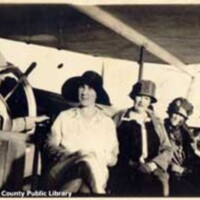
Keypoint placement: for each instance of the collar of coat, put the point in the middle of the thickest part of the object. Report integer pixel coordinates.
(158, 125)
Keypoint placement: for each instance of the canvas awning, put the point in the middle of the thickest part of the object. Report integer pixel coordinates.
(173, 28)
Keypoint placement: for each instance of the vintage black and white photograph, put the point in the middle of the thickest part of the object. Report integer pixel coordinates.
(99, 98)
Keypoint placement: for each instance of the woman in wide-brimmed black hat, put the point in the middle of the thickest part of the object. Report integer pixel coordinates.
(70, 88)
(85, 140)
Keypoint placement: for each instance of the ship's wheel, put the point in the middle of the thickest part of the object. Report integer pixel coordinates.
(17, 97)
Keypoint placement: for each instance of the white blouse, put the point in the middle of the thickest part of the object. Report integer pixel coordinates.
(98, 136)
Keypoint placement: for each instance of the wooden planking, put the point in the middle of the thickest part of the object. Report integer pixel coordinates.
(3, 150)
(14, 165)
(20, 137)
(12, 156)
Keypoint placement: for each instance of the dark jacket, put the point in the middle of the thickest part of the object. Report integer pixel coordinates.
(163, 155)
(182, 138)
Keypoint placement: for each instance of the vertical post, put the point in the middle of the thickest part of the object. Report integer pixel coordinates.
(60, 30)
(103, 70)
(190, 87)
(34, 183)
(141, 63)
(27, 25)
(2, 60)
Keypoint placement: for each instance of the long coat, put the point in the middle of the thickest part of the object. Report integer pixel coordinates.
(129, 136)
(185, 164)
(164, 154)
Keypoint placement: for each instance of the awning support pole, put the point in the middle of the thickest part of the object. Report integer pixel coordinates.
(131, 34)
(141, 63)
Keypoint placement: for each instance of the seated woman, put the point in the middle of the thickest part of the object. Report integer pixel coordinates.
(184, 167)
(145, 150)
(82, 143)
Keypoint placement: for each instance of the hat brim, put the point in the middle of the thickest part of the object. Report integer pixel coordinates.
(70, 91)
(133, 95)
(181, 111)
(102, 97)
